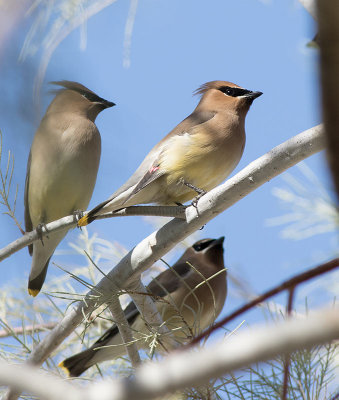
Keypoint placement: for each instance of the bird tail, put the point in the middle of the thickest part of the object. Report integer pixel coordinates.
(42, 252)
(77, 364)
(35, 284)
(91, 216)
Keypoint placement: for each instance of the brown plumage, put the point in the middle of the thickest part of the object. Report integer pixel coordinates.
(62, 168)
(199, 152)
(189, 296)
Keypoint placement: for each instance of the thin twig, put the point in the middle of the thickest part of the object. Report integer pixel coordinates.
(6, 181)
(287, 357)
(70, 222)
(217, 200)
(61, 34)
(160, 242)
(27, 329)
(296, 280)
(149, 311)
(184, 368)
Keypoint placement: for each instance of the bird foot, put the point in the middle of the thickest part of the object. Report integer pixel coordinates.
(38, 229)
(200, 192)
(197, 198)
(78, 214)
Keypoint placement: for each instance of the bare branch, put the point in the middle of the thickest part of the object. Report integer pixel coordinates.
(124, 328)
(160, 242)
(128, 32)
(287, 357)
(60, 35)
(70, 222)
(310, 6)
(27, 329)
(30, 379)
(291, 283)
(250, 178)
(5, 186)
(183, 369)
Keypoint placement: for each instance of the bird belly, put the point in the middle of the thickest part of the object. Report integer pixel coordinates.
(66, 185)
(203, 165)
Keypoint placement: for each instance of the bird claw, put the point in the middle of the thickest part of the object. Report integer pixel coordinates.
(78, 214)
(38, 229)
(197, 198)
(200, 192)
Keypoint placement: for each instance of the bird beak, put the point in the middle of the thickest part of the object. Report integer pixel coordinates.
(217, 242)
(107, 103)
(254, 95)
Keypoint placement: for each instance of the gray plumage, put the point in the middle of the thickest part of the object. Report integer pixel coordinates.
(61, 169)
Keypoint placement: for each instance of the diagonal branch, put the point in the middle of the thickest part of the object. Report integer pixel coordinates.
(276, 161)
(160, 242)
(70, 222)
(183, 369)
(290, 283)
(124, 329)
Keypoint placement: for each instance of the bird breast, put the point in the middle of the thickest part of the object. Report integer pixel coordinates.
(201, 160)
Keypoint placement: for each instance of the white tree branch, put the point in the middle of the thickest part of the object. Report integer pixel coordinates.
(70, 222)
(124, 330)
(149, 311)
(185, 368)
(30, 379)
(310, 6)
(312, 141)
(160, 242)
(27, 330)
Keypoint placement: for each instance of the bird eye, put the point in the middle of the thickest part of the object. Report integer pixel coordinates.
(202, 244)
(229, 91)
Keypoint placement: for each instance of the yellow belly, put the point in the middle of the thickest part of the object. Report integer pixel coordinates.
(204, 165)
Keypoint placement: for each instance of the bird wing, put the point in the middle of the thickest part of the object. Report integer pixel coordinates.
(28, 221)
(153, 161)
(166, 283)
(131, 313)
(169, 281)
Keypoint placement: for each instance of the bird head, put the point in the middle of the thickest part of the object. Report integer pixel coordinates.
(211, 250)
(77, 98)
(225, 96)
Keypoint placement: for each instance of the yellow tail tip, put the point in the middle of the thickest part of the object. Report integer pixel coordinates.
(83, 221)
(65, 369)
(33, 292)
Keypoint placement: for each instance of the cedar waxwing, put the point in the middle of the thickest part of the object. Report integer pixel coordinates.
(189, 296)
(197, 155)
(61, 169)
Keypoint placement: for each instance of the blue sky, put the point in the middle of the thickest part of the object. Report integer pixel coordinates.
(177, 46)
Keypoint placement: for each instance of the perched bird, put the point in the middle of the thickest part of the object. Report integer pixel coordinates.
(189, 296)
(197, 155)
(62, 168)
